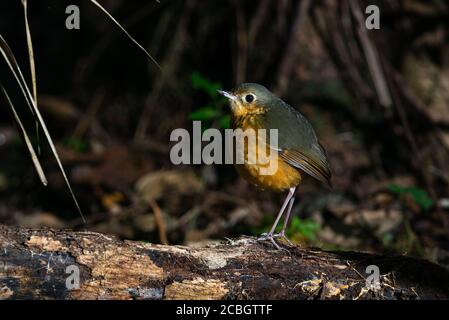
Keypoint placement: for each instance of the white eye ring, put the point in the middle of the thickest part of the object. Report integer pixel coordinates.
(250, 98)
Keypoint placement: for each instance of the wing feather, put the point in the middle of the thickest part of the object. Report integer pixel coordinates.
(315, 166)
(297, 142)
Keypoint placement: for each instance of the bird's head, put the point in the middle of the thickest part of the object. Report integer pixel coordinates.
(249, 98)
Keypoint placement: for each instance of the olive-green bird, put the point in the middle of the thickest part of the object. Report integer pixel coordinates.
(254, 107)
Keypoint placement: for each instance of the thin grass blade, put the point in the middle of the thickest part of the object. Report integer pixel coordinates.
(28, 143)
(11, 61)
(126, 32)
(32, 64)
(14, 66)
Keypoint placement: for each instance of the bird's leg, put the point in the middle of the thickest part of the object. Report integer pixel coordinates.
(287, 200)
(269, 235)
(284, 228)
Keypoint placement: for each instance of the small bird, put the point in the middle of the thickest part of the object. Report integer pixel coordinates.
(254, 107)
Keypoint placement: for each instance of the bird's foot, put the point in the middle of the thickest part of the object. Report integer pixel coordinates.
(270, 237)
(283, 236)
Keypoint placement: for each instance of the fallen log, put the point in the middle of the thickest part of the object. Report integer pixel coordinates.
(63, 264)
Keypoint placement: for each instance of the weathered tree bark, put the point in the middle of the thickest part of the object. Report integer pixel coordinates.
(33, 265)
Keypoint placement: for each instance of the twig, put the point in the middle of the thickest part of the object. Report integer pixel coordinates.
(159, 219)
(242, 44)
(257, 21)
(289, 58)
(324, 23)
(372, 58)
(169, 65)
(89, 117)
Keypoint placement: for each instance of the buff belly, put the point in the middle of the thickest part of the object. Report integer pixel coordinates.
(282, 179)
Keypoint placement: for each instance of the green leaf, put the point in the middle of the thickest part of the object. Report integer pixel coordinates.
(200, 82)
(305, 227)
(205, 114)
(419, 195)
(78, 145)
(421, 198)
(225, 122)
(394, 188)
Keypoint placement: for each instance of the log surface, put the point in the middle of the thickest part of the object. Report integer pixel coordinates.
(36, 264)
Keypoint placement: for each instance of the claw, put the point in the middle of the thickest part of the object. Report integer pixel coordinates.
(283, 236)
(263, 236)
(268, 236)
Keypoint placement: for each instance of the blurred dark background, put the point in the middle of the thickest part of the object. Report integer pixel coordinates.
(378, 99)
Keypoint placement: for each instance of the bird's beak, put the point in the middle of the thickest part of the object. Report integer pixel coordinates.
(228, 95)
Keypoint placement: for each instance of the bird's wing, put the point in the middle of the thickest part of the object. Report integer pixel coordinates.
(297, 142)
(314, 165)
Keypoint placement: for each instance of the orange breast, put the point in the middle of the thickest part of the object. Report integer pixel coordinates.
(283, 178)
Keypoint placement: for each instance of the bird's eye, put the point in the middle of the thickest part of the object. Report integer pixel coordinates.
(249, 98)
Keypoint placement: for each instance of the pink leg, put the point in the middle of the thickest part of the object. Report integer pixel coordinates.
(287, 217)
(287, 201)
